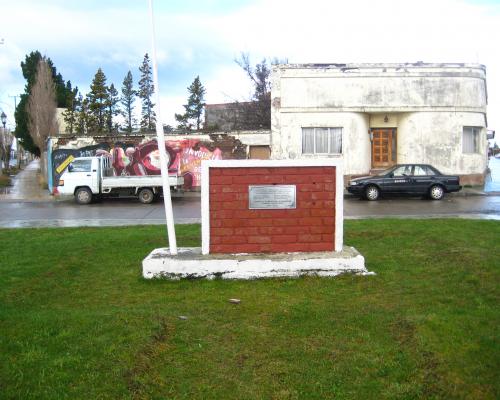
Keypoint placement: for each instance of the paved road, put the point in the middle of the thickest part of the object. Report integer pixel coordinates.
(42, 210)
(131, 212)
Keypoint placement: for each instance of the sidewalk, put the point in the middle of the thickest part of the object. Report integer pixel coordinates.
(26, 186)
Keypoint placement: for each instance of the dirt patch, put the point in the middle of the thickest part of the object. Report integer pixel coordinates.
(427, 372)
(143, 370)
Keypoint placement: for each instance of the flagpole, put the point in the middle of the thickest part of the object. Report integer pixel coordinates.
(161, 144)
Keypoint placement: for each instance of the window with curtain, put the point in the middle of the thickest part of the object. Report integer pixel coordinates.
(321, 140)
(470, 140)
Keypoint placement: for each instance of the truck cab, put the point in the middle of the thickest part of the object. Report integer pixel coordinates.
(81, 179)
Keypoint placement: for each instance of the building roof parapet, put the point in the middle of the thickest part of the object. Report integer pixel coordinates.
(377, 70)
(396, 66)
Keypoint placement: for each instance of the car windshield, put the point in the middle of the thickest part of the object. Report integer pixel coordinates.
(81, 166)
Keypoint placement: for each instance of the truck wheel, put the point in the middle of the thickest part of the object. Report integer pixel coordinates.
(146, 196)
(83, 195)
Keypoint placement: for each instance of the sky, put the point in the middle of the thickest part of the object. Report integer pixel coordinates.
(205, 37)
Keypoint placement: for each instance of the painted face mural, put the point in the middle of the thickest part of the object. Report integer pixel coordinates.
(190, 162)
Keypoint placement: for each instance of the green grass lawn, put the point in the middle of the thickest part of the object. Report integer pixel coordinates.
(77, 321)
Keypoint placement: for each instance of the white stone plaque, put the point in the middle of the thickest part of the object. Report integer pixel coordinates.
(271, 197)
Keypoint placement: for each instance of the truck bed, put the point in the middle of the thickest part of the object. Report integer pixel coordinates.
(113, 182)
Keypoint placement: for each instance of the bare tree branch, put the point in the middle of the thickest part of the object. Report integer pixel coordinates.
(244, 63)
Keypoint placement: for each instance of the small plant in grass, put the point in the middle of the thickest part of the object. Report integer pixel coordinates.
(4, 181)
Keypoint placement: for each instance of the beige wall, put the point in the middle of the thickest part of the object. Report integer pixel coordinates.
(383, 87)
(355, 140)
(436, 138)
(60, 121)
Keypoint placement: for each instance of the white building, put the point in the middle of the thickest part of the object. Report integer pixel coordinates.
(377, 115)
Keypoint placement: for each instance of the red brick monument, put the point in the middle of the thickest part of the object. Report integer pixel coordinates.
(265, 218)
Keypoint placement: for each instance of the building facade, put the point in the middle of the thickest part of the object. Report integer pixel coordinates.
(377, 115)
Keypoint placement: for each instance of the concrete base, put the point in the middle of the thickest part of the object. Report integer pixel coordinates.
(190, 263)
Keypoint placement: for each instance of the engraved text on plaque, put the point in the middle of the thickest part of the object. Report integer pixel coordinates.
(272, 197)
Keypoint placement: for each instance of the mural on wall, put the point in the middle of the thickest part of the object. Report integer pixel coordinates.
(184, 158)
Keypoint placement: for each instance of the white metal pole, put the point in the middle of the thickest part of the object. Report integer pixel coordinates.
(161, 144)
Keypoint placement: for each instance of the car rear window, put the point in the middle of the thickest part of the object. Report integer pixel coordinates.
(423, 170)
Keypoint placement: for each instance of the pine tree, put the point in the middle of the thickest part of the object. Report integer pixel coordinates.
(98, 101)
(183, 122)
(194, 108)
(70, 114)
(127, 100)
(83, 120)
(146, 90)
(112, 109)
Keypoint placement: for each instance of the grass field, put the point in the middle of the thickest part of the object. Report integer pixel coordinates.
(77, 321)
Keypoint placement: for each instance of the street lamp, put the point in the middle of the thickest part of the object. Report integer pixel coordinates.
(3, 117)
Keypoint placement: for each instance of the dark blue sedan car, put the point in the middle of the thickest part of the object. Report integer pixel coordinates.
(405, 179)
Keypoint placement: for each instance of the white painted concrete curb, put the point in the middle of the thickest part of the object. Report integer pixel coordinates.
(189, 263)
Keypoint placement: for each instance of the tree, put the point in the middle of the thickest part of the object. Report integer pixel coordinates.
(258, 111)
(29, 69)
(83, 120)
(183, 122)
(146, 90)
(98, 98)
(112, 108)
(42, 108)
(194, 108)
(127, 101)
(70, 115)
(6, 140)
(21, 131)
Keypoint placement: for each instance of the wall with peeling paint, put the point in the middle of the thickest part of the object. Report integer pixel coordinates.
(428, 104)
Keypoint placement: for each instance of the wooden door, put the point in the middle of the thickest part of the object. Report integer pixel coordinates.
(383, 147)
(259, 152)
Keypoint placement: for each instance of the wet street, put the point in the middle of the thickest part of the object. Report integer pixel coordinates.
(42, 210)
(112, 212)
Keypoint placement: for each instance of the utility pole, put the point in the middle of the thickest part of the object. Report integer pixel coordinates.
(18, 149)
(15, 101)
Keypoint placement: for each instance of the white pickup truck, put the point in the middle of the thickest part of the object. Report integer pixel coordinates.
(88, 178)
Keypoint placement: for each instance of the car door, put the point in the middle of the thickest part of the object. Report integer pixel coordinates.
(422, 179)
(398, 181)
(80, 174)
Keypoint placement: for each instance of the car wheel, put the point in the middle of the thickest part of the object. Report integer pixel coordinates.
(436, 192)
(146, 196)
(372, 193)
(83, 196)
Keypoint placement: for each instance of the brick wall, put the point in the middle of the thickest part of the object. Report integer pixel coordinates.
(234, 228)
